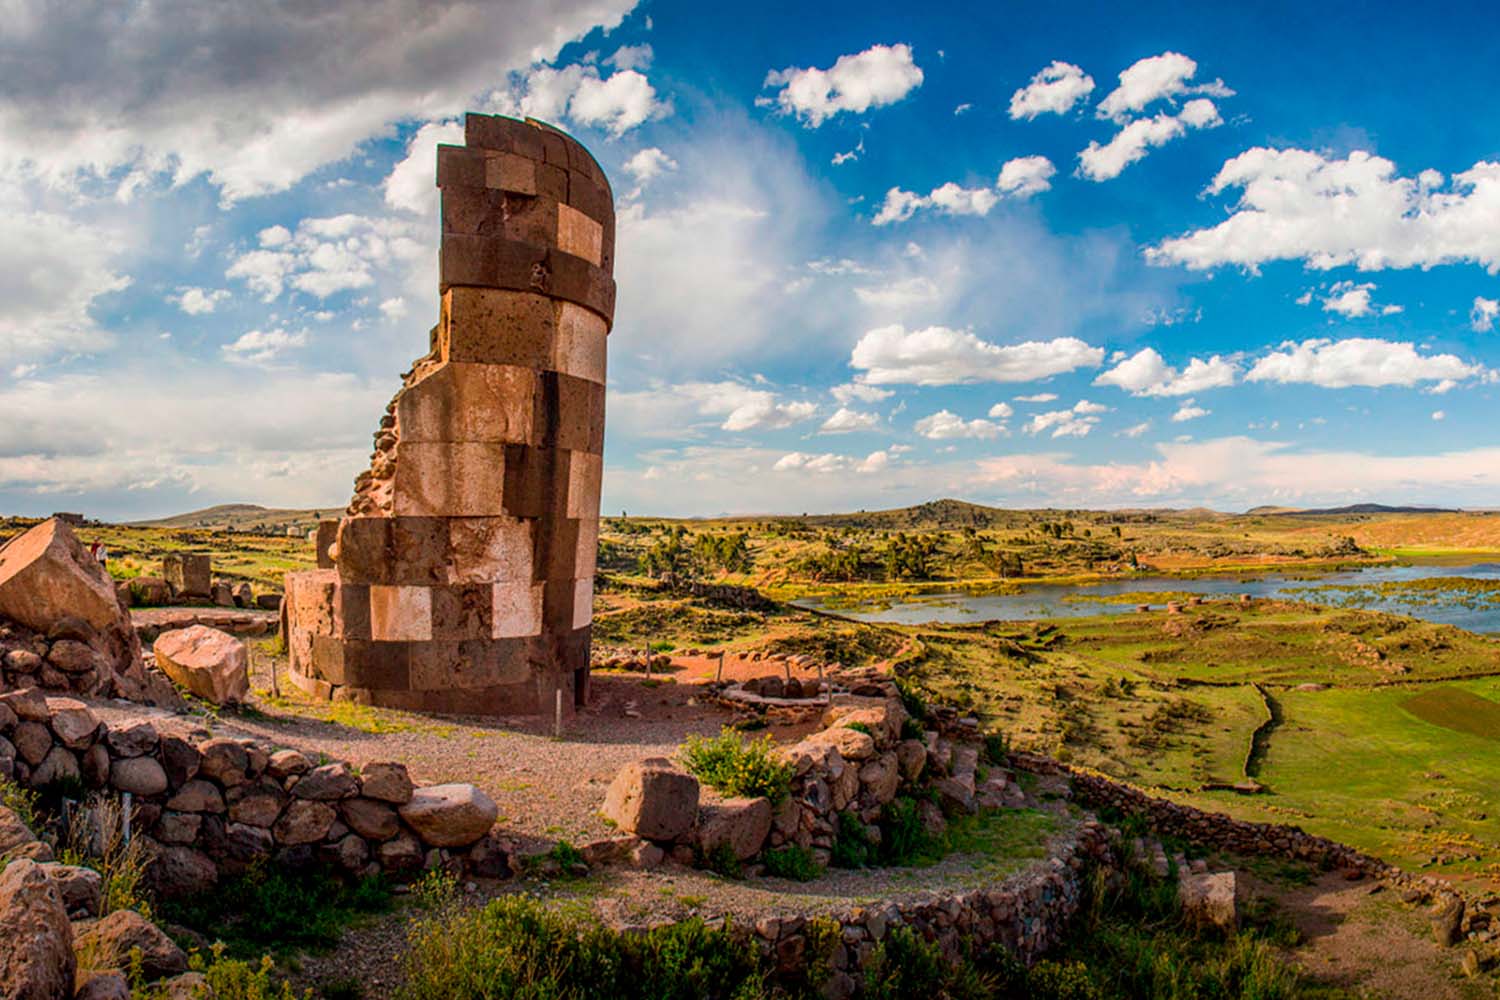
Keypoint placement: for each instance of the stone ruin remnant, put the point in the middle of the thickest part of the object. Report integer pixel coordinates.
(460, 579)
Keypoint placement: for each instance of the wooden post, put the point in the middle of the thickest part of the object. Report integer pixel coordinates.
(125, 813)
(719, 673)
(649, 656)
(557, 717)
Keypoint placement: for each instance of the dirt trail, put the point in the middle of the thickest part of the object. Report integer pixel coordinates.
(1367, 940)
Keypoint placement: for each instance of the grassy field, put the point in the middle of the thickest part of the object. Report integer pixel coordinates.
(1375, 729)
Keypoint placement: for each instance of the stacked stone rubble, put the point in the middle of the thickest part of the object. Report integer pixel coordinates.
(211, 805)
(461, 578)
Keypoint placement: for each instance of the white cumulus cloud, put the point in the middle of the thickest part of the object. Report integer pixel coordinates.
(259, 347)
(938, 355)
(198, 301)
(1019, 178)
(1482, 317)
(845, 420)
(1135, 139)
(945, 424)
(880, 75)
(1146, 373)
(1358, 361)
(1301, 205)
(1153, 79)
(1054, 90)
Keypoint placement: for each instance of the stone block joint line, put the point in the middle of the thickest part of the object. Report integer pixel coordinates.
(460, 579)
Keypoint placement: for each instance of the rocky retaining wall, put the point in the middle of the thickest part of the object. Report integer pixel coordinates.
(1027, 914)
(1220, 832)
(210, 806)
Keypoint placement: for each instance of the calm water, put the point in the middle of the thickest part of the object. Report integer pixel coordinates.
(1046, 600)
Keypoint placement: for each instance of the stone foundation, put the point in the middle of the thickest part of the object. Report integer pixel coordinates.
(461, 578)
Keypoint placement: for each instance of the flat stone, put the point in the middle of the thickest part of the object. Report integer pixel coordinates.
(213, 665)
(113, 938)
(386, 781)
(327, 783)
(453, 815)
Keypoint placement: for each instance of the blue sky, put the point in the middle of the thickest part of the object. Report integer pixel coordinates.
(1069, 255)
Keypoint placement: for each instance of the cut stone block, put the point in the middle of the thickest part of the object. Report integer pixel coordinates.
(586, 554)
(581, 340)
(464, 401)
(585, 479)
(400, 613)
(510, 172)
(579, 235)
(517, 608)
(583, 602)
(458, 479)
(497, 327)
(490, 549)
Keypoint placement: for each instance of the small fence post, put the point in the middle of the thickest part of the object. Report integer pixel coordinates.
(719, 673)
(126, 800)
(557, 716)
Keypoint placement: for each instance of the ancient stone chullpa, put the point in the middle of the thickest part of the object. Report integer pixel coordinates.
(461, 577)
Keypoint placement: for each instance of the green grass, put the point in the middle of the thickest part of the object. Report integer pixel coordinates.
(1456, 709)
(276, 910)
(1359, 766)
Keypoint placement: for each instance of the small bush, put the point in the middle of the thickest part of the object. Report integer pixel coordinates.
(721, 860)
(902, 835)
(228, 979)
(851, 843)
(96, 839)
(997, 748)
(793, 862)
(904, 965)
(734, 767)
(22, 801)
(911, 729)
(861, 727)
(912, 700)
(271, 908)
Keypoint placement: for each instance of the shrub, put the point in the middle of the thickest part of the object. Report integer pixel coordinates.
(997, 748)
(904, 965)
(734, 767)
(793, 862)
(21, 801)
(902, 835)
(516, 947)
(272, 908)
(228, 979)
(912, 700)
(861, 727)
(851, 843)
(721, 860)
(96, 839)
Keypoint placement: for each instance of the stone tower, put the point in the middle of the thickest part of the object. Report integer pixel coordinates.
(461, 577)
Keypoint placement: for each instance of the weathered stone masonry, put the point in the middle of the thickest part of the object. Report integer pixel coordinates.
(461, 577)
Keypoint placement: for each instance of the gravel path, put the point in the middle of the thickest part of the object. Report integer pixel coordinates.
(546, 788)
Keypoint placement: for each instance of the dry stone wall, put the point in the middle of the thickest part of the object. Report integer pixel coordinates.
(461, 578)
(210, 805)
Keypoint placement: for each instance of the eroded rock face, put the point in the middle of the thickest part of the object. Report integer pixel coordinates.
(653, 799)
(211, 664)
(36, 960)
(453, 815)
(47, 577)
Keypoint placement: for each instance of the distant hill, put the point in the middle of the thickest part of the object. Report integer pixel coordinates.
(949, 513)
(245, 517)
(1354, 508)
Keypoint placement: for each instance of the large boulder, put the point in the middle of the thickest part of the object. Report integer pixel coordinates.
(1210, 900)
(47, 576)
(211, 664)
(37, 962)
(454, 815)
(112, 939)
(652, 799)
(741, 825)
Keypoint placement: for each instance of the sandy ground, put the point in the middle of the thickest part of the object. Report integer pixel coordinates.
(1362, 937)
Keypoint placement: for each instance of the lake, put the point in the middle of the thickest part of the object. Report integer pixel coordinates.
(1395, 589)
